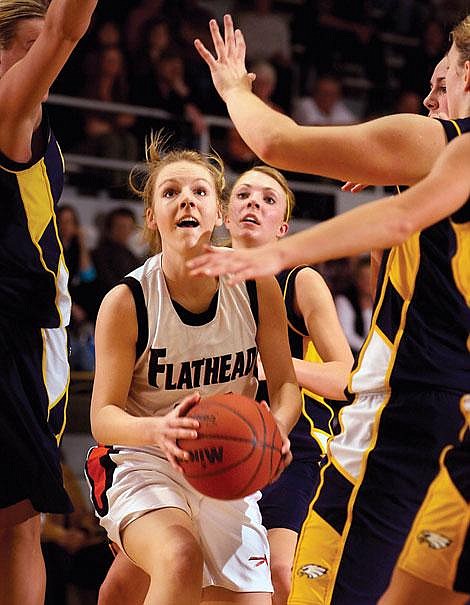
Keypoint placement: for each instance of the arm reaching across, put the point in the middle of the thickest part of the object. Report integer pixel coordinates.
(385, 151)
(380, 224)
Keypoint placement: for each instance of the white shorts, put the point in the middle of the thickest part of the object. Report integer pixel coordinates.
(127, 483)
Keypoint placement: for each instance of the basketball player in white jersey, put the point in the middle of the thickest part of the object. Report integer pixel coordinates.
(162, 341)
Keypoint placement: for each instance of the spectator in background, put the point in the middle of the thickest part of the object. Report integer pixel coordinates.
(154, 42)
(109, 79)
(107, 34)
(166, 88)
(408, 101)
(82, 287)
(113, 257)
(420, 62)
(346, 40)
(103, 136)
(109, 135)
(138, 18)
(403, 17)
(354, 306)
(193, 24)
(268, 38)
(74, 547)
(325, 105)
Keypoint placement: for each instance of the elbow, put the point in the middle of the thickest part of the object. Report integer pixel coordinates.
(403, 228)
(272, 148)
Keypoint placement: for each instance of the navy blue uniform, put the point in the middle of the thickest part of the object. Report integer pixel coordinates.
(285, 502)
(34, 313)
(407, 387)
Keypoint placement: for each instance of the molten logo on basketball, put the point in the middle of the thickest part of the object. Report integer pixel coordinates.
(206, 455)
(205, 418)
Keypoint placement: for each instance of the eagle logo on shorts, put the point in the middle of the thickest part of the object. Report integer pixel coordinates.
(312, 571)
(434, 540)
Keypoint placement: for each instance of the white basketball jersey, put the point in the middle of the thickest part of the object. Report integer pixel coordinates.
(176, 357)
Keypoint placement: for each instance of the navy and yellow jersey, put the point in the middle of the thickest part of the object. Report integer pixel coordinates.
(309, 436)
(33, 286)
(421, 323)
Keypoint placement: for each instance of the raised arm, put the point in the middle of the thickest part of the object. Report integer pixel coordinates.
(41, 54)
(385, 151)
(380, 224)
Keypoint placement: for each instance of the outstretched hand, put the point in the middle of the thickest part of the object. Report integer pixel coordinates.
(353, 187)
(228, 68)
(238, 265)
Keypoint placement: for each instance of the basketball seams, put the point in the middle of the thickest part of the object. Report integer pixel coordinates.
(240, 472)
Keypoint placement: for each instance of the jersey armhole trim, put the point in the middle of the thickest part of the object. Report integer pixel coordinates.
(141, 310)
(253, 296)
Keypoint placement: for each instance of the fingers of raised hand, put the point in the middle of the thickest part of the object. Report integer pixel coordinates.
(229, 35)
(205, 54)
(217, 39)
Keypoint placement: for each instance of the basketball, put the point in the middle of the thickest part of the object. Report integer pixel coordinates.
(238, 449)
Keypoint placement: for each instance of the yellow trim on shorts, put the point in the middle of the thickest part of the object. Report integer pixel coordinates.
(437, 537)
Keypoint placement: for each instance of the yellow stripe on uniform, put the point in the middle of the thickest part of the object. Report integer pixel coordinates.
(405, 266)
(435, 542)
(38, 215)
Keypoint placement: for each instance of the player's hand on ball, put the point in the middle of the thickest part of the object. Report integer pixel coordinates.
(227, 68)
(175, 425)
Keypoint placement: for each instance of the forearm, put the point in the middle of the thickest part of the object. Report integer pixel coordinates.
(286, 405)
(375, 225)
(245, 110)
(70, 18)
(327, 379)
(111, 425)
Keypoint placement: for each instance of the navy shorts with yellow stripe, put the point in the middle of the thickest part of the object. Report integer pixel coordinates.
(379, 471)
(438, 547)
(285, 502)
(33, 393)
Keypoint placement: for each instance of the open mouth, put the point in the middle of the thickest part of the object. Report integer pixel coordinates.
(251, 219)
(188, 222)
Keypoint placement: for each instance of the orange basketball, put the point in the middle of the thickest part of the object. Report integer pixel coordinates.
(238, 449)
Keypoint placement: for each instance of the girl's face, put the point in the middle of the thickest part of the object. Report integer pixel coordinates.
(256, 210)
(436, 101)
(458, 84)
(185, 207)
(67, 224)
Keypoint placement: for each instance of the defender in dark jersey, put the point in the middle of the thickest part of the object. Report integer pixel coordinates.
(34, 303)
(375, 489)
(258, 212)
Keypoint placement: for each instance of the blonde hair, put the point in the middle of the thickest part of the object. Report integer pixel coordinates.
(13, 11)
(142, 180)
(280, 179)
(460, 36)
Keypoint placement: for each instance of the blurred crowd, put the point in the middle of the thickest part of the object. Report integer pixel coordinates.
(321, 61)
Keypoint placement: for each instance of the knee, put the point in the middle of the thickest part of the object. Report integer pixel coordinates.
(281, 574)
(26, 534)
(112, 592)
(184, 559)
